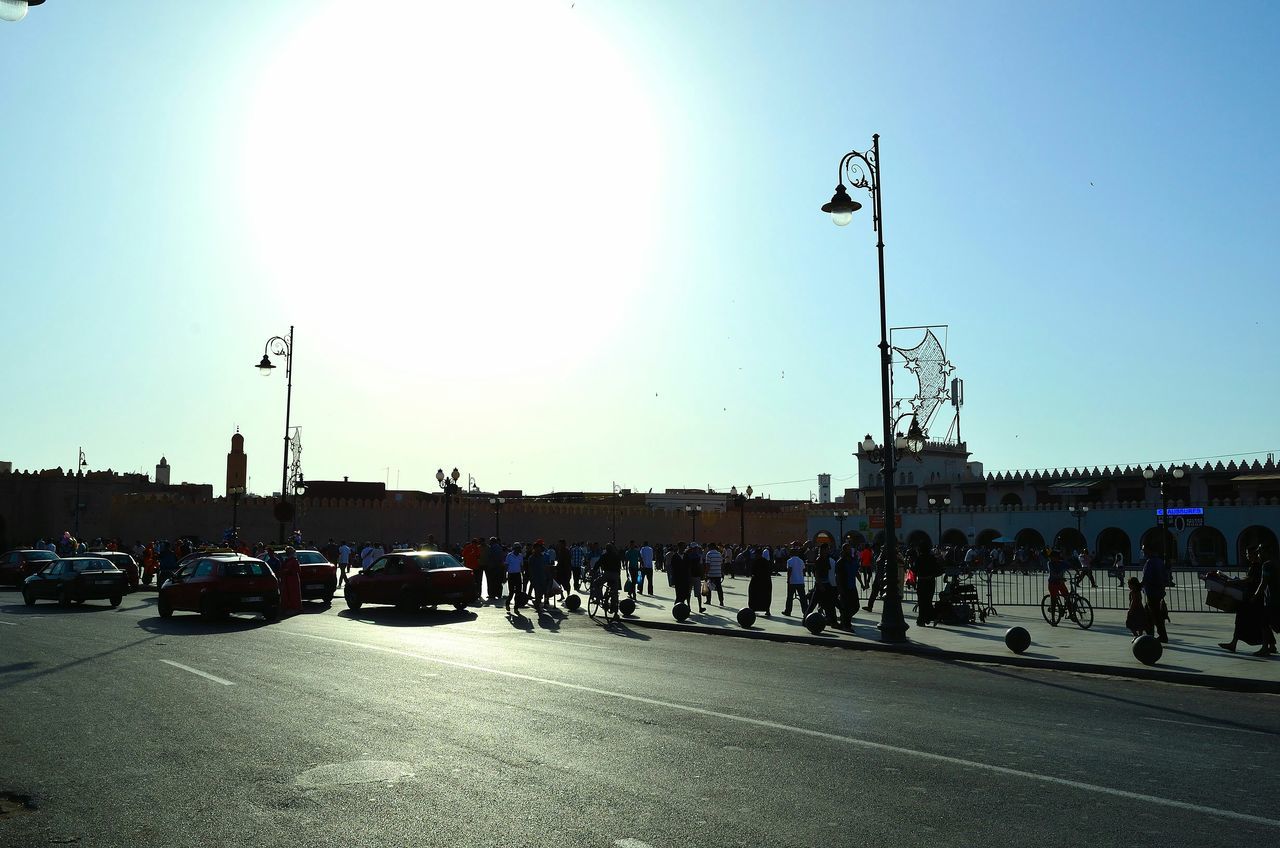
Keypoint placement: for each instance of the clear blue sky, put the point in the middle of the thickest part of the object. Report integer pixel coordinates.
(558, 247)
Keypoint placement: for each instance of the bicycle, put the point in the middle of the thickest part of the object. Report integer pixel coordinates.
(601, 593)
(1073, 605)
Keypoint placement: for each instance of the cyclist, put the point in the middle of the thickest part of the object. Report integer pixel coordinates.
(1058, 583)
(610, 566)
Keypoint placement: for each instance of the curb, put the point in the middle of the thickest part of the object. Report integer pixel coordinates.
(1212, 681)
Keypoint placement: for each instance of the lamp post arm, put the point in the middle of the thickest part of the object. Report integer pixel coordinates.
(862, 168)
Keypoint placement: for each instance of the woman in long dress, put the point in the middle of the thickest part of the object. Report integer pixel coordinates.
(760, 589)
(290, 583)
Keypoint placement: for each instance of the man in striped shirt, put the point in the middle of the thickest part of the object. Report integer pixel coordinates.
(713, 568)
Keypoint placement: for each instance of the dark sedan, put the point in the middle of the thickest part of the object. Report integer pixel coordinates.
(411, 580)
(123, 561)
(16, 566)
(77, 579)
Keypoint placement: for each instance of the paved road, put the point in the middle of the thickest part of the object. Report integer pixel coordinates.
(385, 728)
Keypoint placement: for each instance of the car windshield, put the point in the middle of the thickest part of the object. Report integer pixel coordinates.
(310, 558)
(245, 568)
(78, 565)
(436, 561)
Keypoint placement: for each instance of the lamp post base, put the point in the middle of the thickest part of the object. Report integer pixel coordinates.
(893, 625)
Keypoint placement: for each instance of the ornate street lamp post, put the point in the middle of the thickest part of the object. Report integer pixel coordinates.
(1079, 512)
(939, 505)
(1160, 478)
(840, 517)
(497, 515)
(281, 346)
(693, 510)
(863, 171)
(741, 501)
(16, 10)
(81, 464)
(449, 485)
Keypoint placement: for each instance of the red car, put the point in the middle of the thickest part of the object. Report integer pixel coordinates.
(16, 566)
(319, 576)
(216, 585)
(411, 580)
(123, 561)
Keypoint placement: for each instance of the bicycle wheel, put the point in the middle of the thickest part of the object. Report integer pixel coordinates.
(1046, 609)
(593, 601)
(1084, 613)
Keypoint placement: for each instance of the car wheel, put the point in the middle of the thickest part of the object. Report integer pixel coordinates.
(64, 600)
(271, 614)
(27, 599)
(328, 599)
(210, 611)
(163, 608)
(115, 600)
(460, 607)
(353, 600)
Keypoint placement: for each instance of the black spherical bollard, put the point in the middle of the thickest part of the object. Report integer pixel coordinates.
(1147, 649)
(1017, 639)
(746, 617)
(815, 622)
(573, 603)
(627, 606)
(680, 611)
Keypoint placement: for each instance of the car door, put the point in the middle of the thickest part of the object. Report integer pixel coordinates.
(180, 592)
(50, 583)
(373, 585)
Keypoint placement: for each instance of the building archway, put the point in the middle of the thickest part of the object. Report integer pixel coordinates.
(916, 538)
(1252, 536)
(954, 538)
(1154, 541)
(986, 537)
(1011, 499)
(1069, 540)
(1207, 547)
(1029, 538)
(1112, 541)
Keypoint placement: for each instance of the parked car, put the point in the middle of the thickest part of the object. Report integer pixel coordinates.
(123, 561)
(319, 576)
(413, 579)
(16, 566)
(216, 585)
(77, 579)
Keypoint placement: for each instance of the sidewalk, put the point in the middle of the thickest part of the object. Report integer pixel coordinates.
(1192, 655)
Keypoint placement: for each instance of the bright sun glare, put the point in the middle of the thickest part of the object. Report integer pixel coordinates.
(485, 168)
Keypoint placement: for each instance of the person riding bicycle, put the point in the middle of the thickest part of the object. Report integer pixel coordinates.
(1058, 581)
(610, 568)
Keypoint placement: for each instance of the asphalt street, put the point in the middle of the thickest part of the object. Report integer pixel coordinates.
(384, 728)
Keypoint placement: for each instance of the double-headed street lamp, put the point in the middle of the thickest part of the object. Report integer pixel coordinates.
(741, 501)
(693, 510)
(16, 10)
(939, 505)
(1079, 512)
(497, 515)
(863, 171)
(449, 485)
(840, 517)
(281, 346)
(1160, 478)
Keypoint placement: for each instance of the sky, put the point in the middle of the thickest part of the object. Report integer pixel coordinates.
(559, 245)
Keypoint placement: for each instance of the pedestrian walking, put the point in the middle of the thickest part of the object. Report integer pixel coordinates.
(1154, 580)
(847, 567)
(344, 562)
(290, 582)
(927, 570)
(1085, 559)
(693, 559)
(495, 569)
(760, 588)
(713, 567)
(1251, 625)
(646, 568)
(514, 563)
(795, 582)
(680, 574)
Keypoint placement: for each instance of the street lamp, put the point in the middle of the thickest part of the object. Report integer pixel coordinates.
(939, 505)
(1162, 477)
(472, 488)
(81, 464)
(449, 485)
(16, 10)
(497, 515)
(615, 493)
(863, 171)
(693, 510)
(1080, 512)
(741, 501)
(840, 517)
(281, 346)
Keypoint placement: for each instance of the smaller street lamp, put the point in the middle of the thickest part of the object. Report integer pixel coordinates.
(693, 510)
(1160, 478)
(939, 505)
(741, 501)
(449, 485)
(840, 517)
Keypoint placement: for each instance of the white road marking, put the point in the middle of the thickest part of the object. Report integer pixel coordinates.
(818, 734)
(632, 843)
(10, 623)
(203, 674)
(1209, 726)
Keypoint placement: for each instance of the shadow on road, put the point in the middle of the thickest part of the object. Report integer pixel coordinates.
(191, 624)
(53, 608)
(15, 667)
(394, 617)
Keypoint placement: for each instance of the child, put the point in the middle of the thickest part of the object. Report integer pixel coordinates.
(1136, 619)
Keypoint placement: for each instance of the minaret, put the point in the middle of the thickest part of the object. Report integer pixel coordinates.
(162, 472)
(237, 466)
